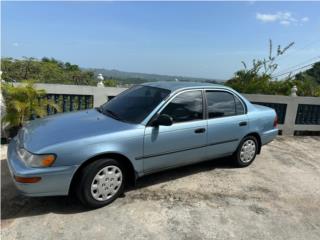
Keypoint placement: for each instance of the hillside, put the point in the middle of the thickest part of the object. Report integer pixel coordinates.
(50, 70)
(134, 76)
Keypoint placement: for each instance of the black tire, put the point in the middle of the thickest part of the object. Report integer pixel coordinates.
(83, 189)
(239, 160)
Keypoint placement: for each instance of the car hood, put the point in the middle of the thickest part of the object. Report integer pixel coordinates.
(41, 133)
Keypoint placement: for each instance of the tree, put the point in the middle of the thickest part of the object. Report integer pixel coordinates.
(46, 70)
(110, 83)
(313, 72)
(258, 78)
(308, 82)
(24, 102)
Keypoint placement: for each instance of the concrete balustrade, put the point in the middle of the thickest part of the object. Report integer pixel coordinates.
(292, 103)
(101, 94)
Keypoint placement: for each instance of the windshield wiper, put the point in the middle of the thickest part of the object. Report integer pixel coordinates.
(112, 114)
(99, 109)
(108, 113)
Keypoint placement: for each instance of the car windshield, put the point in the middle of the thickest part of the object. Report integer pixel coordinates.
(135, 104)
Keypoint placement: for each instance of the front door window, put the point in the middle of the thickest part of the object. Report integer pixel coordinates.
(185, 107)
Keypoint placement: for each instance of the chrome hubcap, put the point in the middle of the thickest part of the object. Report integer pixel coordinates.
(248, 151)
(106, 183)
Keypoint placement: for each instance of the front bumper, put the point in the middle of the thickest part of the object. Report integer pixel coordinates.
(54, 180)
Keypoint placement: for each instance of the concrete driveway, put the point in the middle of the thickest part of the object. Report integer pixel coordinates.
(277, 197)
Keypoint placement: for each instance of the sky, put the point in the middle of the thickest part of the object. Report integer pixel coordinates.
(197, 39)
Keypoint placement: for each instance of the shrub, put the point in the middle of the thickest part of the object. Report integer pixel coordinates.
(23, 103)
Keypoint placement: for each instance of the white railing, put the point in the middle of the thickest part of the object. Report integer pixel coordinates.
(290, 104)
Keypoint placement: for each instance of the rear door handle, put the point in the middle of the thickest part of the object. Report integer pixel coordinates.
(242, 124)
(200, 130)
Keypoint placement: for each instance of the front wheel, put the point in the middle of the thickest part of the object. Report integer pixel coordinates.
(101, 183)
(246, 151)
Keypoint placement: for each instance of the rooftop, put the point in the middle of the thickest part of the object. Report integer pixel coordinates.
(173, 86)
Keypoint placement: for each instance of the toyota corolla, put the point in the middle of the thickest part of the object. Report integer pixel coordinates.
(145, 129)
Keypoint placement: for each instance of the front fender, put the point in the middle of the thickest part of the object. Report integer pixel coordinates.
(75, 153)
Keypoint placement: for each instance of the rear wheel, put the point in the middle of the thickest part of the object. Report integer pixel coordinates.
(246, 151)
(101, 183)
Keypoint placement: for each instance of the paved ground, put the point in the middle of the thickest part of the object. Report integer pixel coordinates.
(277, 197)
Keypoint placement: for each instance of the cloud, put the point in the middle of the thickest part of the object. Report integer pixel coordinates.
(283, 18)
(266, 17)
(285, 22)
(15, 44)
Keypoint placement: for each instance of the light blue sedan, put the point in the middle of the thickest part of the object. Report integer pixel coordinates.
(146, 129)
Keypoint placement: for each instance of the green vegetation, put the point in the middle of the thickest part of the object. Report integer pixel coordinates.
(308, 82)
(23, 103)
(259, 78)
(50, 70)
(110, 83)
(45, 71)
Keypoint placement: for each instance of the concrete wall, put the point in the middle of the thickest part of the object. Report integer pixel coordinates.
(289, 125)
(101, 94)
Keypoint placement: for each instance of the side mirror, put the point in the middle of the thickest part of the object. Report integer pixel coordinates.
(164, 120)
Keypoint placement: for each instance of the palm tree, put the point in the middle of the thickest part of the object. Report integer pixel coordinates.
(23, 103)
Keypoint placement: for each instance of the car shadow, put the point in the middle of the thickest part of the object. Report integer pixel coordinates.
(176, 173)
(15, 205)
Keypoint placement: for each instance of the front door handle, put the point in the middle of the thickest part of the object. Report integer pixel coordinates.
(242, 124)
(200, 130)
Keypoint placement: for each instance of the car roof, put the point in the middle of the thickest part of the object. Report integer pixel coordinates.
(174, 86)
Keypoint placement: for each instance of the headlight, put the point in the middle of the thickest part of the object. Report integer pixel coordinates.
(34, 160)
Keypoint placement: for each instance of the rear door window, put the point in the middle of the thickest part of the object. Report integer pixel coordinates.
(220, 104)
